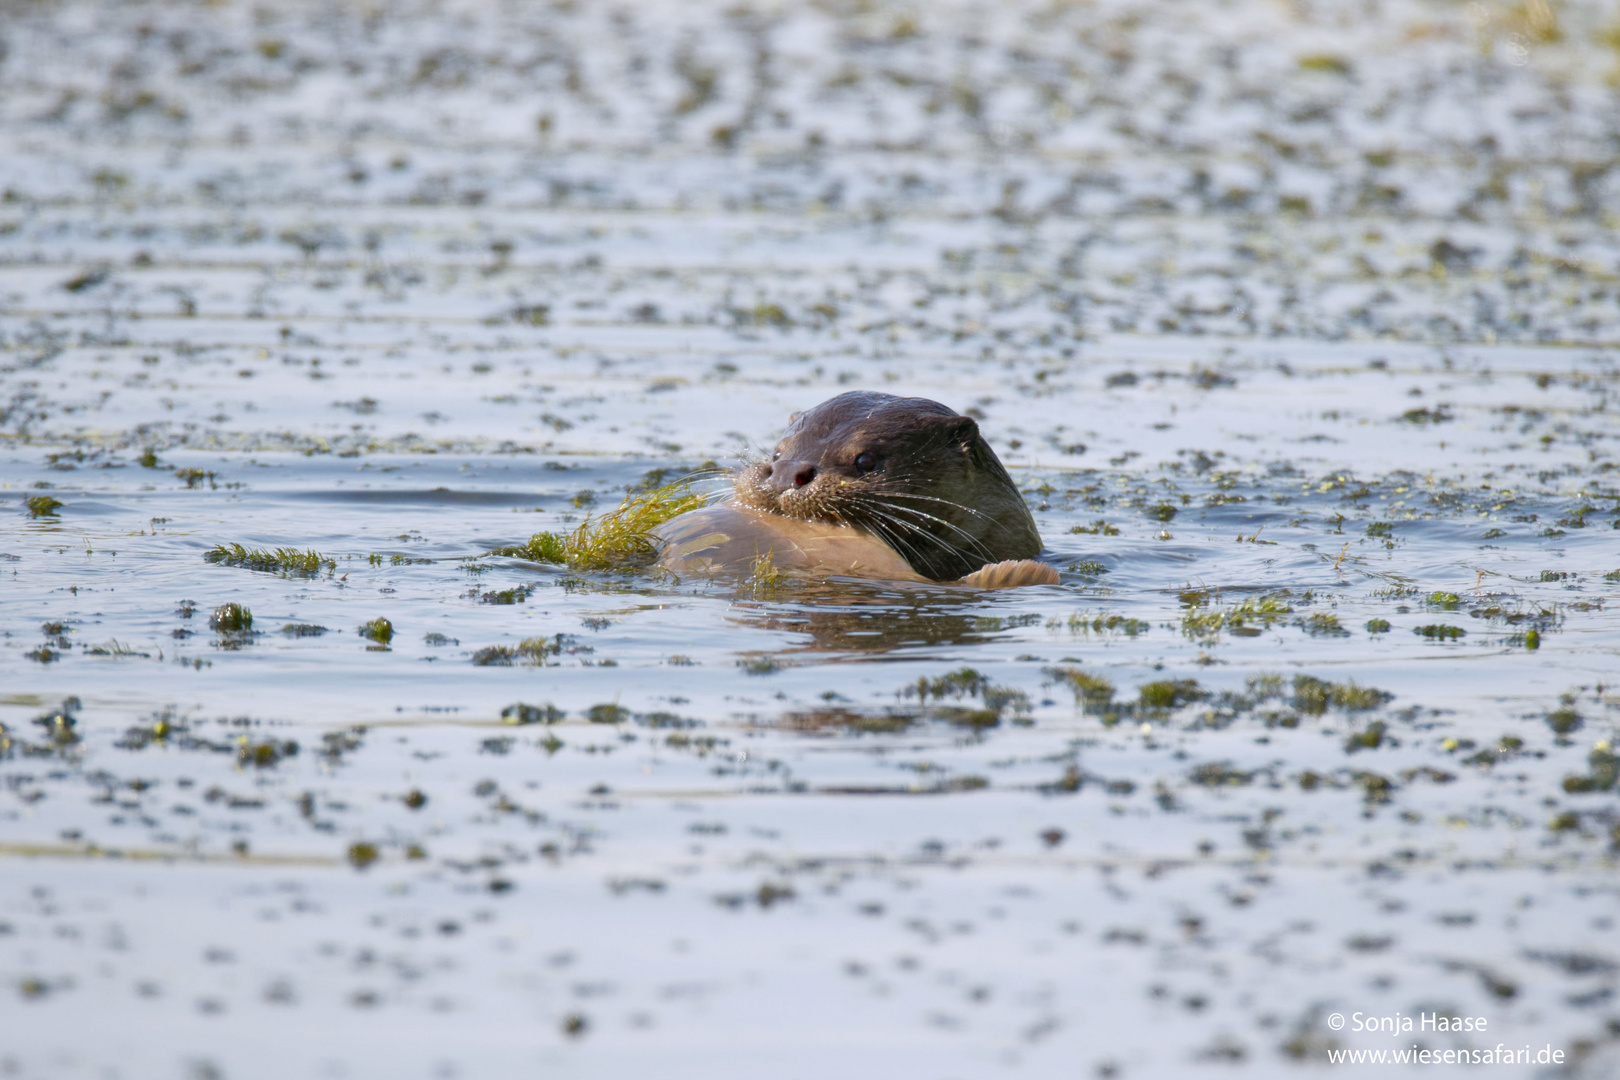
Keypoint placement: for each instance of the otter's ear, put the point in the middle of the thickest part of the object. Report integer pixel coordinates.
(961, 429)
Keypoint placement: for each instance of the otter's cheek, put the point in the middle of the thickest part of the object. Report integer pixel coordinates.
(755, 489)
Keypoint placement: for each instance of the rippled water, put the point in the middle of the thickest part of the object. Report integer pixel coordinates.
(1297, 332)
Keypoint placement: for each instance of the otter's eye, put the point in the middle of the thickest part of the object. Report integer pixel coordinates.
(865, 461)
(777, 456)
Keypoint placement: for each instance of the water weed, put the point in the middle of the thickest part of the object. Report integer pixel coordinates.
(620, 539)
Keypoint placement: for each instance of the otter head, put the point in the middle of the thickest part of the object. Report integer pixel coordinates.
(908, 470)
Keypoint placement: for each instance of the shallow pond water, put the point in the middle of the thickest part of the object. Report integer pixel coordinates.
(1296, 327)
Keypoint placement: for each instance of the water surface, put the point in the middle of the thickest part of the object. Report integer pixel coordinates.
(1296, 328)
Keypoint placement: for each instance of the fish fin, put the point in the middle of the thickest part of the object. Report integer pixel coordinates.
(1011, 574)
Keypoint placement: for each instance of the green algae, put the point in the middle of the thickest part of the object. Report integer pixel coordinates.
(1376, 789)
(1246, 619)
(519, 713)
(231, 618)
(61, 725)
(964, 682)
(334, 744)
(1099, 527)
(1101, 623)
(1093, 692)
(114, 648)
(262, 755)
(533, 651)
(1323, 624)
(1219, 774)
(1326, 63)
(194, 478)
(1369, 739)
(995, 701)
(765, 580)
(1565, 719)
(362, 855)
(1315, 696)
(854, 721)
(515, 595)
(1604, 774)
(1168, 694)
(379, 630)
(43, 506)
(620, 539)
(288, 562)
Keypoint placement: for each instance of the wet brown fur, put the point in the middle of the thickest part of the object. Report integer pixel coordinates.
(907, 470)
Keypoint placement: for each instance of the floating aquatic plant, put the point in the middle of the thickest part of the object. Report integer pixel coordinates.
(1092, 691)
(43, 506)
(1313, 696)
(1099, 527)
(764, 578)
(519, 713)
(1604, 774)
(967, 683)
(515, 595)
(532, 650)
(1170, 693)
(379, 630)
(285, 561)
(1245, 619)
(362, 855)
(231, 618)
(1370, 739)
(957, 684)
(1323, 624)
(263, 754)
(620, 539)
(1100, 623)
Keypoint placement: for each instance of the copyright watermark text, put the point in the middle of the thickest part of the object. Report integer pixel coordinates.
(1399, 1026)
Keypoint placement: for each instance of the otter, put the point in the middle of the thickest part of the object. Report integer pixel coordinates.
(870, 485)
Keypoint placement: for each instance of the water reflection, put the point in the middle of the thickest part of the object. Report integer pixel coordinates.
(876, 618)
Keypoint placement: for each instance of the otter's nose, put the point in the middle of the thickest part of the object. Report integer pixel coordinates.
(791, 474)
